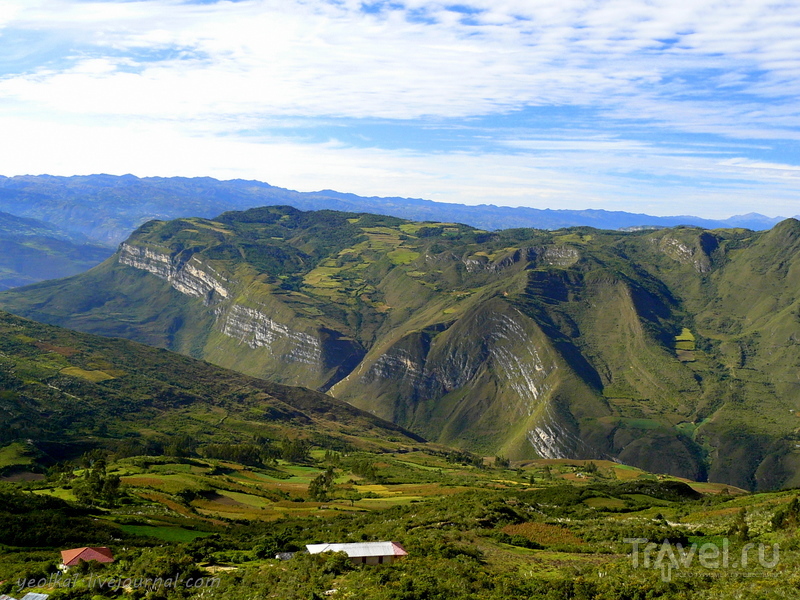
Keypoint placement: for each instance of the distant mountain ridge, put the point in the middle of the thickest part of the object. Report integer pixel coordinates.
(107, 208)
(33, 250)
(11, 225)
(674, 350)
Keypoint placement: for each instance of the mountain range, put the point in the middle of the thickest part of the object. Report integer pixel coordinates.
(54, 227)
(673, 350)
(32, 250)
(107, 208)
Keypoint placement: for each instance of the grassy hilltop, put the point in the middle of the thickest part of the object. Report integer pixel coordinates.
(672, 350)
(64, 393)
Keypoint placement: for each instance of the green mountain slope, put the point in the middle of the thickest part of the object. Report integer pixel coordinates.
(63, 393)
(32, 251)
(671, 350)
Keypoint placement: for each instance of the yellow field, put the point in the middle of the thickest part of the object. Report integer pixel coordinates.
(93, 376)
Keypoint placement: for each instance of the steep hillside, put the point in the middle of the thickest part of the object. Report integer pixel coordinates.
(32, 251)
(63, 393)
(672, 350)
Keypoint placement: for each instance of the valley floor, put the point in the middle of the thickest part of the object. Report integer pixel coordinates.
(474, 528)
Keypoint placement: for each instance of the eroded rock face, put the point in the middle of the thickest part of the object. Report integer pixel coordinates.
(502, 378)
(554, 256)
(551, 439)
(257, 330)
(329, 354)
(190, 277)
(695, 252)
(454, 363)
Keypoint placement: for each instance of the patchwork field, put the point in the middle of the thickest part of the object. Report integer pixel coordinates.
(472, 525)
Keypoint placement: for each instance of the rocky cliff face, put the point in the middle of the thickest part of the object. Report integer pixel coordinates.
(673, 350)
(694, 250)
(327, 355)
(190, 277)
(257, 330)
(540, 256)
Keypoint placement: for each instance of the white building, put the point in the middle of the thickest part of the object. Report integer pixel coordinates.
(363, 553)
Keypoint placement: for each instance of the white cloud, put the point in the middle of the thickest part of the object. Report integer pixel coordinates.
(616, 175)
(320, 58)
(168, 87)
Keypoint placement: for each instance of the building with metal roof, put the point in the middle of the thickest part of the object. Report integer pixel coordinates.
(367, 553)
(71, 558)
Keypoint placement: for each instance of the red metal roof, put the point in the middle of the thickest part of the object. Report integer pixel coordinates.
(71, 558)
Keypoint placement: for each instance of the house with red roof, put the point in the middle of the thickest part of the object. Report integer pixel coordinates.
(71, 558)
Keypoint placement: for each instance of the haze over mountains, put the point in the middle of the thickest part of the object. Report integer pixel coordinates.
(107, 208)
(32, 250)
(62, 221)
(673, 350)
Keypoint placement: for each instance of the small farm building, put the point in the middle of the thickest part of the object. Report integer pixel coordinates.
(367, 553)
(71, 558)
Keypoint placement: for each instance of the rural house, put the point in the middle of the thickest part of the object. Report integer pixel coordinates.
(71, 558)
(366, 553)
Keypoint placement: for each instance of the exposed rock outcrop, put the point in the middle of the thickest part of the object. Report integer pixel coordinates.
(328, 353)
(189, 277)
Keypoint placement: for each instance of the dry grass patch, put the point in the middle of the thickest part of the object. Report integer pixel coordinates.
(62, 350)
(170, 504)
(93, 376)
(625, 474)
(542, 533)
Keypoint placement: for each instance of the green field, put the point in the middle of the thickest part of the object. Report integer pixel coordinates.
(534, 527)
(168, 534)
(16, 455)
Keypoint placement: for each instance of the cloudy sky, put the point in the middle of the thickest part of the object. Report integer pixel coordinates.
(651, 106)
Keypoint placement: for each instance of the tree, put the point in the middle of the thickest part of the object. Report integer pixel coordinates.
(322, 485)
(740, 530)
(96, 486)
(787, 517)
(364, 468)
(295, 451)
(111, 490)
(353, 497)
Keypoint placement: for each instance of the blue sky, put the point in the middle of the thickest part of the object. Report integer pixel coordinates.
(645, 106)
